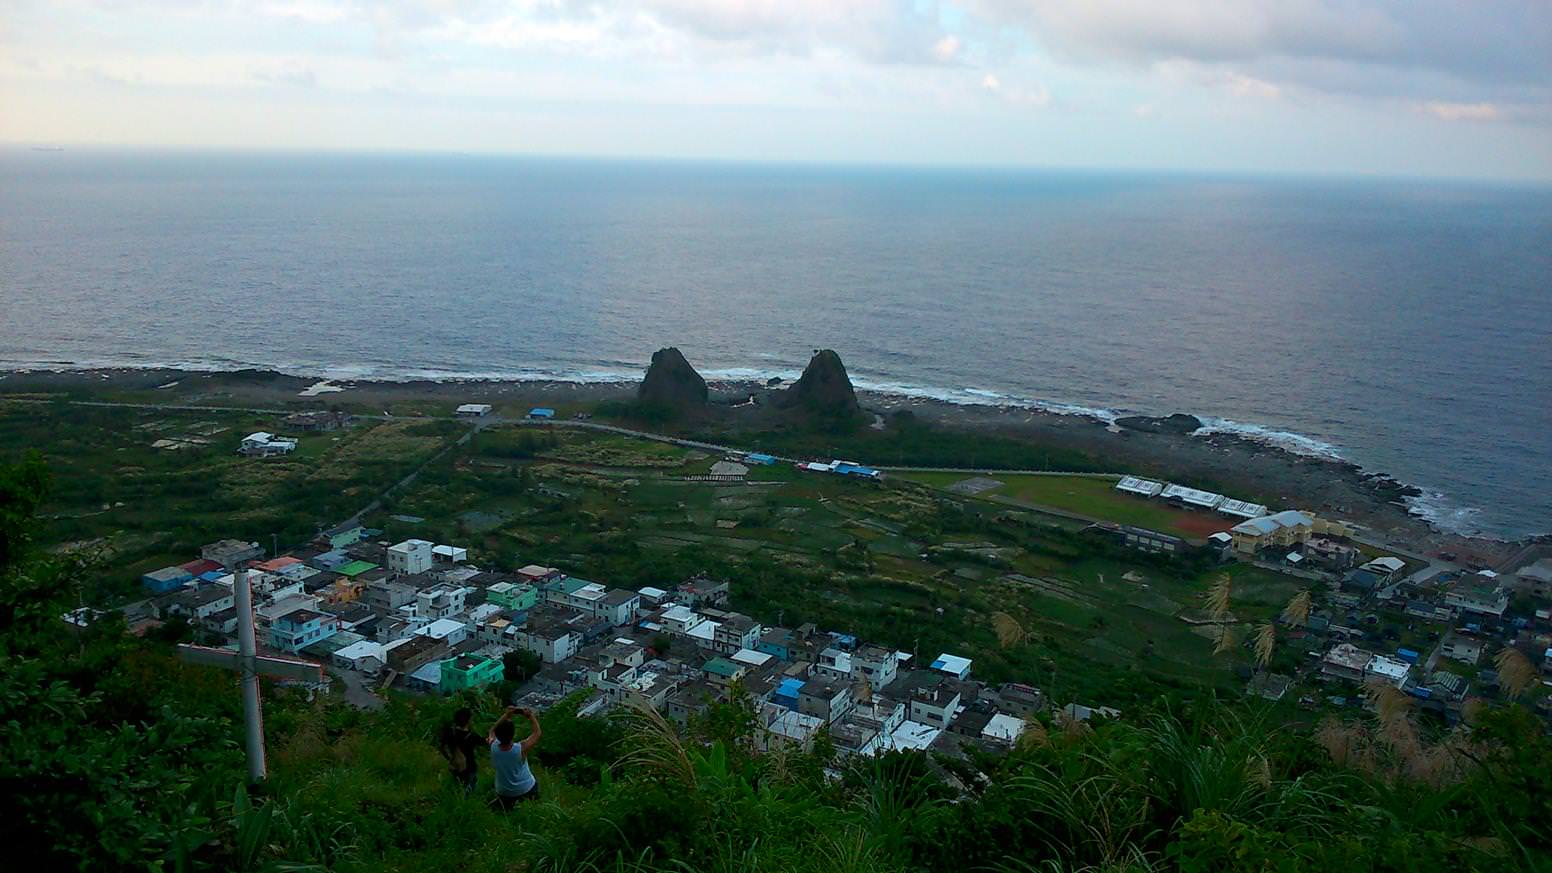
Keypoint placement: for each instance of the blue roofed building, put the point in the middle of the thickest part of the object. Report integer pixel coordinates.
(166, 579)
(786, 694)
(759, 458)
(541, 412)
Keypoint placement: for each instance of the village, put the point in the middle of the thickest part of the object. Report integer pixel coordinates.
(420, 617)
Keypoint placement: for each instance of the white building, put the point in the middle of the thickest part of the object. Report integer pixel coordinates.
(952, 665)
(445, 630)
(411, 556)
(440, 601)
(877, 665)
(450, 554)
(262, 444)
(473, 410)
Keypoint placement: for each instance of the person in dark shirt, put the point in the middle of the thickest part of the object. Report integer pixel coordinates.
(459, 745)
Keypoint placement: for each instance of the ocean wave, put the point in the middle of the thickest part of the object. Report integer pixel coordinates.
(1438, 510)
(1287, 440)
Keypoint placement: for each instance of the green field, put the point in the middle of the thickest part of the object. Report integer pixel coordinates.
(876, 560)
(1088, 496)
(138, 507)
(923, 570)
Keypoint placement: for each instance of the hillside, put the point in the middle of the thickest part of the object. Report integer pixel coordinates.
(116, 756)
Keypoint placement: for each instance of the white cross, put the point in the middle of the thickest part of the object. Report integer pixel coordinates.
(247, 661)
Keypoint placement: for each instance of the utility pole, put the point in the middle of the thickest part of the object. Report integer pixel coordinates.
(249, 664)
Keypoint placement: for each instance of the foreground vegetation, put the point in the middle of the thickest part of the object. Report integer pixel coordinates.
(115, 756)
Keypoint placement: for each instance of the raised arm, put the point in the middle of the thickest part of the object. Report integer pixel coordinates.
(491, 737)
(534, 734)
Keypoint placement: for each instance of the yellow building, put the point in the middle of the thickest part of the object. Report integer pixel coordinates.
(1287, 528)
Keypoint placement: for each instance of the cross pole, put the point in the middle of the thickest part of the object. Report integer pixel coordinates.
(247, 661)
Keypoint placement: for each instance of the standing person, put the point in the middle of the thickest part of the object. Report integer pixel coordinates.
(460, 745)
(514, 781)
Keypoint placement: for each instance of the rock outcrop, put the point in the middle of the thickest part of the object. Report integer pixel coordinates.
(672, 382)
(1177, 423)
(824, 388)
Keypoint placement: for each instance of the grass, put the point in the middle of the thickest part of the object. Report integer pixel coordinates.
(1088, 496)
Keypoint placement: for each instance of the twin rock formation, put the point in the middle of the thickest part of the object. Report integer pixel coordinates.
(823, 390)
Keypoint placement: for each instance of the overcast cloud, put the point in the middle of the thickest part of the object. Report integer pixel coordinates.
(1437, 87)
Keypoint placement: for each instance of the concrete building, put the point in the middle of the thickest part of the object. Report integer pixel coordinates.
(198, 604)
(934, 703)
(411, 557)
(1280, 530)
(513, 595)
(262, 444)
(231, 554)
(166, 580)
(298, 629)
(469, 671)
(736, 631)
(876, 665)
(440, 601)
(825, 699)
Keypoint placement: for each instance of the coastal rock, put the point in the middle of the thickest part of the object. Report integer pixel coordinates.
(823, 389)
(671, 381)
(1177, 423)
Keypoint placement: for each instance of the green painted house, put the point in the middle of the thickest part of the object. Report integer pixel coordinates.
(469, 671)
(344, 535)
(512, 595)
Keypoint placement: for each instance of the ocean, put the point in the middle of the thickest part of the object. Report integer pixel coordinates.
(1402, 325)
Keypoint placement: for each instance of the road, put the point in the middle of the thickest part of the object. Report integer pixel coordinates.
(1433, 565)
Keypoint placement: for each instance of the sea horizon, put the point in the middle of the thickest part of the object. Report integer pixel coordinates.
(1223, 295)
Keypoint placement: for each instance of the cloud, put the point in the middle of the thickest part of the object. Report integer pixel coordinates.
(1493, 51)
(1461, 111)
(1035, 95)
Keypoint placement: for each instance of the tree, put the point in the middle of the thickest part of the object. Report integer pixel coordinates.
(520, 665)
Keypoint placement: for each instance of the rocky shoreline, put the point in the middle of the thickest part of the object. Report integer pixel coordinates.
(1163, 447)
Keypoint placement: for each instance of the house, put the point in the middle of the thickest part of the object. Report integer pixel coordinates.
(760, 458)
(618, 606)
(1391, 670)
(263, 444)
(198, 604)
(440, 601)
(1360, 581)
(1481, 596)
(952, 665)
(1281, 530)
(785, 726)
(541, 413)
(681, 620)
(780, 642)
(1346, 661)
(735, 631)
(469, 671)
(825, 699)
(1330, 554)
(449, 554)
(723, 672)
(834, 663)
(1077, 712)
(1003, 728)
(701, 591)
(231, 554)
(553, 636)
(538, 576)
(1534, 579)
(1019, 699)
(410, 557)
(445, 630)
(934, 701)
(473, 410)
(166, 579)
(408, 653)
(365, 656)
(876, 665)
(513, 595)
(1457, 647)
(385, 597)
(1385, 568)
(1427, 610)
(300, 628)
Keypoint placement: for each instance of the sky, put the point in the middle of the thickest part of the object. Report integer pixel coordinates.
(1446, 88)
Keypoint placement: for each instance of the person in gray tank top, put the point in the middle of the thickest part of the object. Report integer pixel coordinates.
(509, 759)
